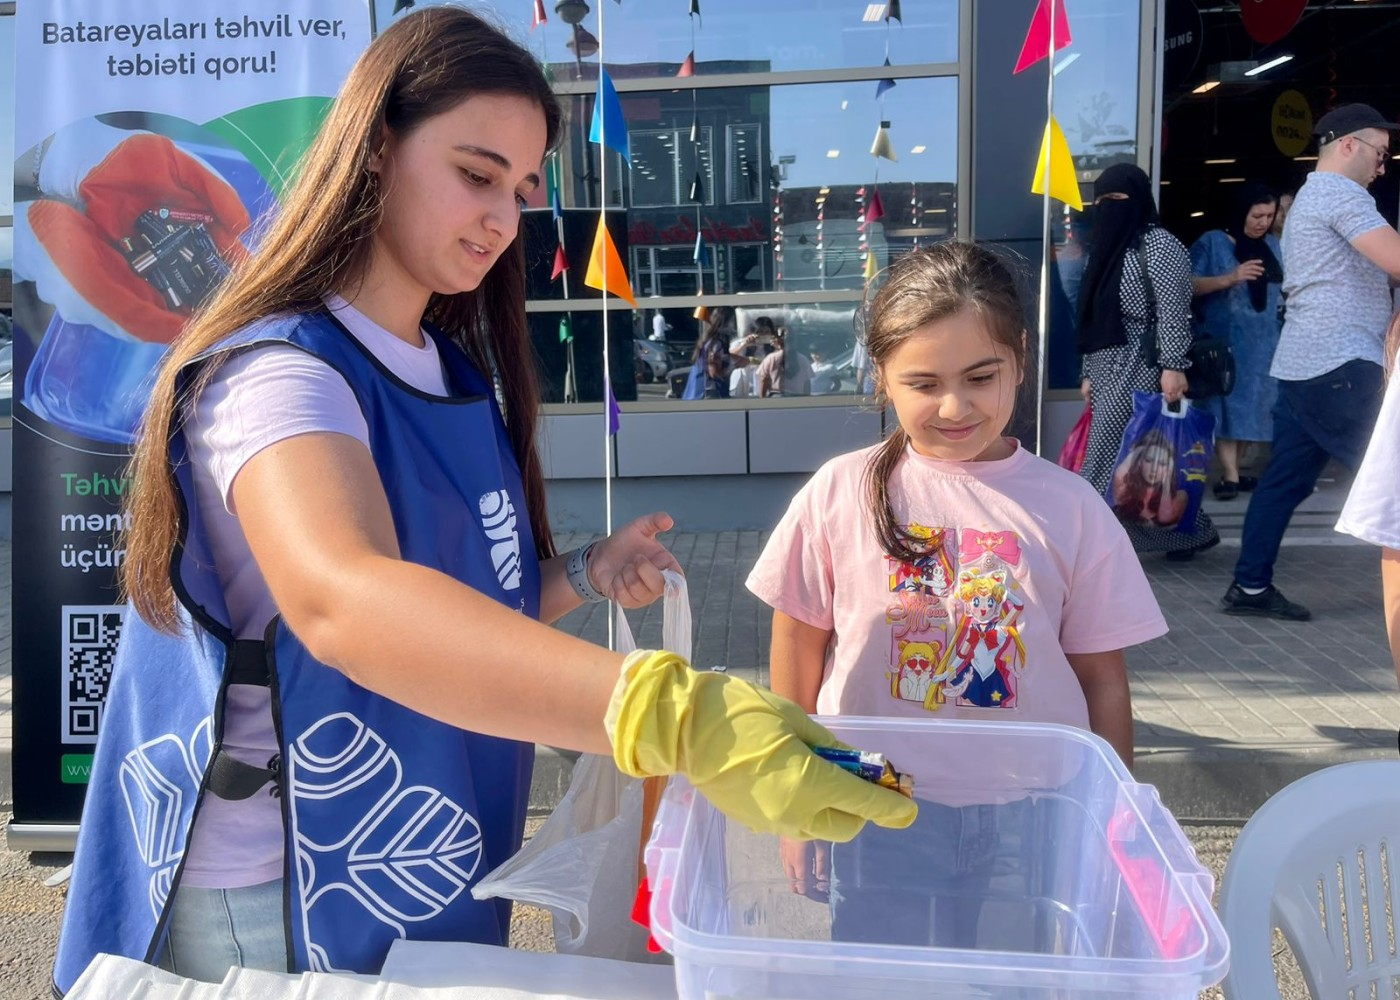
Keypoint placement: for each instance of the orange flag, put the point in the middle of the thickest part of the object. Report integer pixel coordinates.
(616, 279)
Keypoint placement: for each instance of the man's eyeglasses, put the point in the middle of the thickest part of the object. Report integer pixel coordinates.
(1381, 154)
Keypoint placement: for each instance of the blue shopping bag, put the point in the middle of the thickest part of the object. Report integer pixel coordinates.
(1159, 477)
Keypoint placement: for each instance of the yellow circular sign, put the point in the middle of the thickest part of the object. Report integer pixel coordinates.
(1291, 123)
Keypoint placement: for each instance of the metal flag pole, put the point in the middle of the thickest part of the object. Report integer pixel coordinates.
(1043, 340)
(607, 354)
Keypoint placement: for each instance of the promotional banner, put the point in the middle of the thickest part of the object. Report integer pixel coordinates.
(152, 137)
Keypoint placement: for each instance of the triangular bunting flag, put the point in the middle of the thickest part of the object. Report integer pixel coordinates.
(881, 146)
(883, 87)
(605, 250)
(609, 127)
(870, 269)
(566, 332)
(561, 263)
(875, 211)
(614, 411)
(701, 255)
(695, 11)
(697, 188)
(688, 67)
(892, 11)
(702, 313)
(1063, 184)
(1037, 44)
(554, 208)
(402, 5)
(539, 16)
(695, 129)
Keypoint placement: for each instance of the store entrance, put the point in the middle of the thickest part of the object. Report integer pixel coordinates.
(1235, 110)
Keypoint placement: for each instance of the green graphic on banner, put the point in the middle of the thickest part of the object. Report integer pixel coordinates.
(273, 136)
(74, 768)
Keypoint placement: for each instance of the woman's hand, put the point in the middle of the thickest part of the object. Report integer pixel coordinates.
(1084, 389)
(627, 565)
(1173, 385)
(1247, 271)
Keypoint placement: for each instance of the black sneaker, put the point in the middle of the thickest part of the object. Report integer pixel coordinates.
(1269, 604)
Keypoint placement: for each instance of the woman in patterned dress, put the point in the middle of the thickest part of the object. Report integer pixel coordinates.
(1113, 324)
(1238, 282)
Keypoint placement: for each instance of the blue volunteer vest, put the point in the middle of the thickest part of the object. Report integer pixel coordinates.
(388, 815)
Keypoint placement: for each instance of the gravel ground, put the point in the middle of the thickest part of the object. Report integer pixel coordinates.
(29, 917)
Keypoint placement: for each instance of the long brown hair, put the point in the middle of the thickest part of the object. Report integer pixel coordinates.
(320, 241)
(922, 287)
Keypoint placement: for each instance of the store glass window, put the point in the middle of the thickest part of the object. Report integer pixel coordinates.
(793, 186)
(7, 167)
(1096, 103)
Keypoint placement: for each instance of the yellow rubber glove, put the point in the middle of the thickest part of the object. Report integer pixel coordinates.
(746, 749)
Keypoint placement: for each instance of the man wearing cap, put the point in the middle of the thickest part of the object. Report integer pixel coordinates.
(1340, 258)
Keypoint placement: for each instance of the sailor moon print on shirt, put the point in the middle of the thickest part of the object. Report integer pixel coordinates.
(954, 620)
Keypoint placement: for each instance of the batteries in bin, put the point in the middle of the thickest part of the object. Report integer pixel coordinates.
(172, 250)
(871, 766)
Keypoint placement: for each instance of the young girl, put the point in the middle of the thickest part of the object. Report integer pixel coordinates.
(339, 561)
(1028, 589)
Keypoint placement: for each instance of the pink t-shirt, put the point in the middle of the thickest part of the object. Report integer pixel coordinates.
(1024, 563)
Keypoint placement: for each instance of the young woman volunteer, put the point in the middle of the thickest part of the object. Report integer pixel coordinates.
(338, 554)
(947, 573)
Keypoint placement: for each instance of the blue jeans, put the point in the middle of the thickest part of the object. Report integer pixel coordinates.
(214, 930)
(1330, 416)
(928, 885)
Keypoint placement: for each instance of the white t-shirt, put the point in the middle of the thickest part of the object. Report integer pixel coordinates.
(255, 399)
(1372, 510)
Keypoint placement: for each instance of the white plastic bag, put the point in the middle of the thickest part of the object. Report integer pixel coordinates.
(582, 863)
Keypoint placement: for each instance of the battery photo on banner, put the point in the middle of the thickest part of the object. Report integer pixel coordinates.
(154, 136)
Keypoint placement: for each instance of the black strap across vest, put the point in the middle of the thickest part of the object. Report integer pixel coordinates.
(230, 778)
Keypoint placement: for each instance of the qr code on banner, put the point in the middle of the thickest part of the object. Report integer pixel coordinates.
(90, 634)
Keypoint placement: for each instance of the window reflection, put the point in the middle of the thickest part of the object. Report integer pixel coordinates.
(1096, 101)
(776, 210)
(813, 346)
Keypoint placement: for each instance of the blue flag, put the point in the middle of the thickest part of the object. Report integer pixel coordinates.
(609, 127)
(882, 87)
(702, 251)
(554, 205)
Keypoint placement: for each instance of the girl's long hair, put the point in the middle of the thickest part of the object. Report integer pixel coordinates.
(924, 286)
(320, 241)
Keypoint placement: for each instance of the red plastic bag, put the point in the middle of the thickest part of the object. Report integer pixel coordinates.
(1077, 444)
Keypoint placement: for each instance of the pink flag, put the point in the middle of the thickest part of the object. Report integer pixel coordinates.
(1037, 44)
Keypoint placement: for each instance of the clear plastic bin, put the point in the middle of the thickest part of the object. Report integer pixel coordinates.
(1038, 869)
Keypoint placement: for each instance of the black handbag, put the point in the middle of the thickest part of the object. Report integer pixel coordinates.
(1212, 371)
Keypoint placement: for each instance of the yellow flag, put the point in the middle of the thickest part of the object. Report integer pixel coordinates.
(1063, 184)
(605, 250)
(870, 268)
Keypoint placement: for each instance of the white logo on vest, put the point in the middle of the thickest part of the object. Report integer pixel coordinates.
(401, 854)
(159, 779)
(498, 521)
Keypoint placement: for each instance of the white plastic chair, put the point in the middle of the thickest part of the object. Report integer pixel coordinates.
(1321, 862)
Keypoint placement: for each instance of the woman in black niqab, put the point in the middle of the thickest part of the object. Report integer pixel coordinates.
(1123, 209)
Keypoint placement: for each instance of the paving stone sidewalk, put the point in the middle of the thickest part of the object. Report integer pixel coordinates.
(1228, 710)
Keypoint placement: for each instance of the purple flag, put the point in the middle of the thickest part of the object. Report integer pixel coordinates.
(614, 411)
